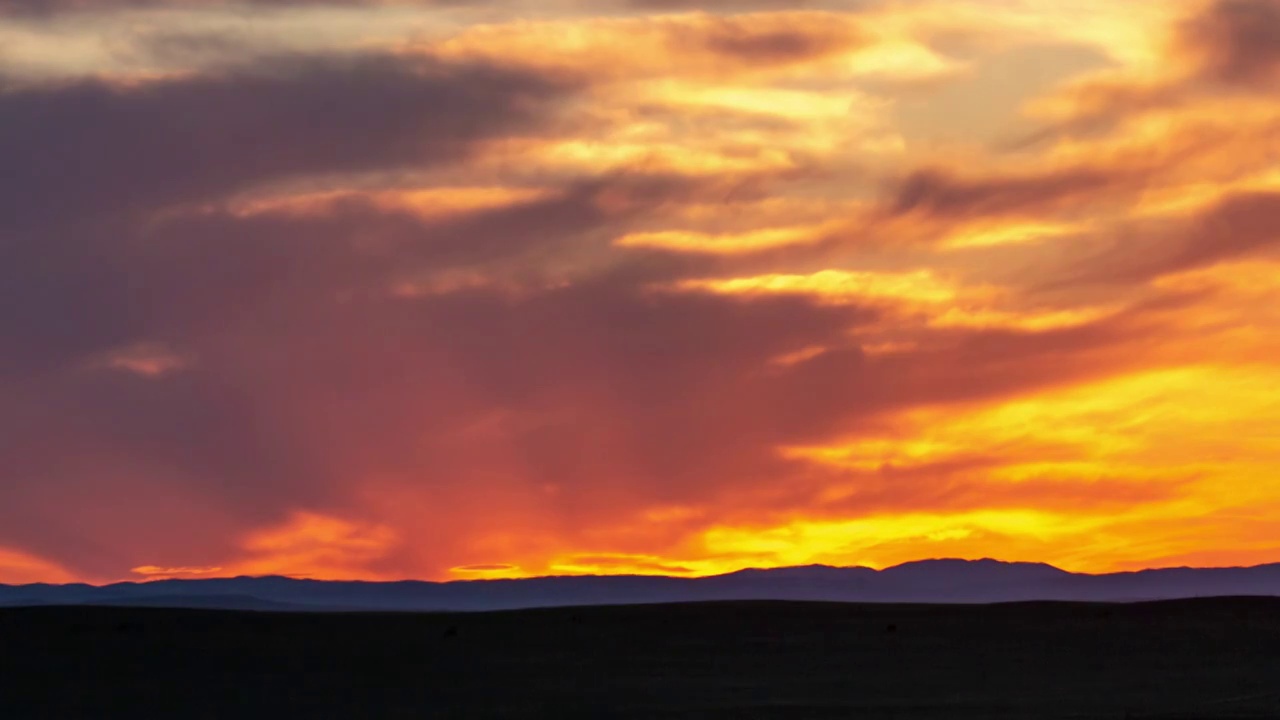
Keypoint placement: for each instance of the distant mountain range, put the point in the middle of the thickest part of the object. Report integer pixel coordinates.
(929, 581)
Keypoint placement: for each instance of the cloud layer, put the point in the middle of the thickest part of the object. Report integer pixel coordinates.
(495, 291)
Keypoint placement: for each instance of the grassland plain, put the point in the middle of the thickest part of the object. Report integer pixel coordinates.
(1210, 658)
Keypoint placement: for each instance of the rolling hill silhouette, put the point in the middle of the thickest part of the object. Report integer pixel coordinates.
(929, 581)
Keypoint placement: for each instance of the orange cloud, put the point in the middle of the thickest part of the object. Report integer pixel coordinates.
(151, 360)
(21, 568)
(314, 546)
(154, 572)
(705, 45)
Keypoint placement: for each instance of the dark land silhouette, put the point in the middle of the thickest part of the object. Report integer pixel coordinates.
(930, 581)
(1208, 658)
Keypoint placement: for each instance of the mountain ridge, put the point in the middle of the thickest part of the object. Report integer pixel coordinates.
(940, 580)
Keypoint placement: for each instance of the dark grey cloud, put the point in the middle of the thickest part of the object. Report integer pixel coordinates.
(734, 39)
(1238, 41)
(673, 5)
(86, 264)
(944, 194)
(1241, 225)
(49, 7)
(79, 151)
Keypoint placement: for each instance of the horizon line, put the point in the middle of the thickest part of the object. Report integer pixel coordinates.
(304, 578)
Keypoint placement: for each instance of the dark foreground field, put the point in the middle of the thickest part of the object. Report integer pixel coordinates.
(1202, 659)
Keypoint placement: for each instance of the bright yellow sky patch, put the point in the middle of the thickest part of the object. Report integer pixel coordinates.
(726, 243)
(920, 286)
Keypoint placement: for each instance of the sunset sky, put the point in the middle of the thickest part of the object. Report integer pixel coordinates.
(462, 289)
